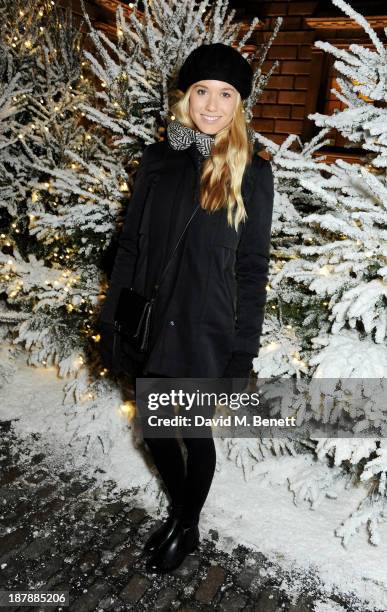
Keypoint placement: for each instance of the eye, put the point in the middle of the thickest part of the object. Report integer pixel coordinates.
(200, 89)
(227, 94)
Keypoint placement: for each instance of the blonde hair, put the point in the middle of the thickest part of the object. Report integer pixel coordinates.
(222, 172)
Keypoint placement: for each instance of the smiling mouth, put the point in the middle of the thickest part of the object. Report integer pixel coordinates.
(209, 118)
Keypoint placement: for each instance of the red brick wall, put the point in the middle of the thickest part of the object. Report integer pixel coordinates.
(299, 85)
(281, 109)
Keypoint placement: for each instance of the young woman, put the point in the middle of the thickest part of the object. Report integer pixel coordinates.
(210, 306)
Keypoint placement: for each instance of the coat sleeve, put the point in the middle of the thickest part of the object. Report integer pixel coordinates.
(125, 260)
(252, 260)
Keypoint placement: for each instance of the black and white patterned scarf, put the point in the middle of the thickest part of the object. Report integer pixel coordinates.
(181, 137)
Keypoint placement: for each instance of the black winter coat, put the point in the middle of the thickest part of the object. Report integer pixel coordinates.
(211, 303)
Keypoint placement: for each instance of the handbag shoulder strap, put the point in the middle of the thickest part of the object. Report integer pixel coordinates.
(247, 192)
(162, 276)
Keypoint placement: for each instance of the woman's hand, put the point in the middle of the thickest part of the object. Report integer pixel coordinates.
(239, 365)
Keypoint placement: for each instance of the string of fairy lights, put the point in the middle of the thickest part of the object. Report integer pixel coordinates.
(27, 32)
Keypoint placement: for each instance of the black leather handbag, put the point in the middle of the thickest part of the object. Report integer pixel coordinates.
(133, 315)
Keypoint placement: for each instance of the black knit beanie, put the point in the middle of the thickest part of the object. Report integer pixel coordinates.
(219, 62)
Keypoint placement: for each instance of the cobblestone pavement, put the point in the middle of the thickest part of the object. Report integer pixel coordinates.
(60, 531)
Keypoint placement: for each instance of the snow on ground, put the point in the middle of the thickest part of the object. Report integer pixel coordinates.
(259, 513)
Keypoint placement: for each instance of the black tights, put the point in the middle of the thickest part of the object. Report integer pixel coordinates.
(187, 485)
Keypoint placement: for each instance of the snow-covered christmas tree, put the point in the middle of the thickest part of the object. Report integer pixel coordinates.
(335, 280)
(50, 243)
(341, 219)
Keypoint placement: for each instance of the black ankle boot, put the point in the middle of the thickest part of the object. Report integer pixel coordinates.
(174, 550)
(161, 534)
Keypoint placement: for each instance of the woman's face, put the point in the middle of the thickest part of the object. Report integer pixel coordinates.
(212, 104)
